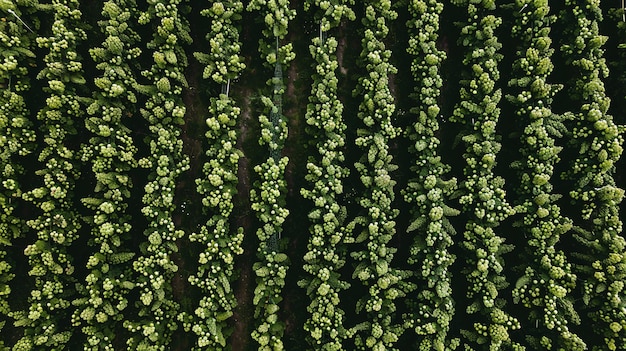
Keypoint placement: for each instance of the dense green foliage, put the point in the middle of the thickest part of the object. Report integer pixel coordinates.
(111, 152)
(325, 173)
(268, 195)
(428, 193)
(379, 324)
(152, 327)
(47, 319)
(484, 197)
(422, 175)
(545, 288)
(601, 264)
(220, 244)
(17, 141)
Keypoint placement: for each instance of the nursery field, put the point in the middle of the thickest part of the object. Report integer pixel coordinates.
(312, 175)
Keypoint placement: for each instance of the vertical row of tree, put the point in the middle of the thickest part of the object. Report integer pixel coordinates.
(430, 304)
(546, 287)
(597, 144)
(379, 326)
(268, 195)
(56, 225)
(484, 201)
(18, 140)
(220, 244)
(326, 171)
(154, 268)
(111, 151)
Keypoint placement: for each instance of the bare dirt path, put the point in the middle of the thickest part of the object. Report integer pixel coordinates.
(243, 313)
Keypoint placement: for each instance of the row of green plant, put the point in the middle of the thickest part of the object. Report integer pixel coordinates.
(484, 198)
(111, 151)
(57, 224)
(599, 259)
(18, 140)
(220, 244)
(428, 193)
(270, 189)
(154, 268)
(378, 325)
(545, 287)
(326, 171)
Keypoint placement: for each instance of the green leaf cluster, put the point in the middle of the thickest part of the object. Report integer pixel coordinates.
(276, 15)
(17, 141)
(224, 61)
(271, 273)
(268, 201)
(47, 320)
(379, 325)
(216, 262)
(329, 13)
(164, 109)
(483, 196)
(545, 288)
(428, 193)
(599, 140)
(325, 254)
